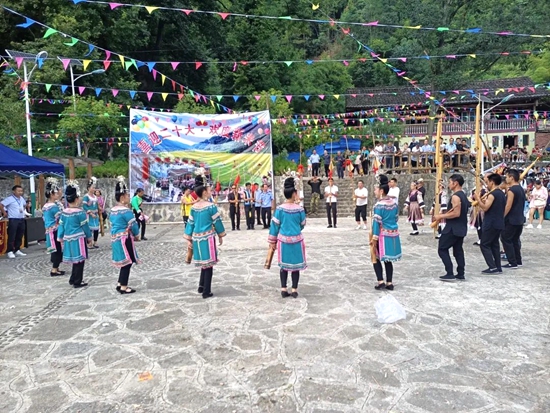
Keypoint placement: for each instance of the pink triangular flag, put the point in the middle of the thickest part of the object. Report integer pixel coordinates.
(149, 95)
(371, 24)
(66, 63)
(353, 95)
(107, 54)
(401, 74)
(173, 85)
(346, 63)
(106, 64)
(154, 72)
(321, 97)
(19, 60)
(114, 5)
(257, 97)
(198, 65)
(81, 89)
(223, 15)
(174, 65)
(532, 89)
(288, 98)
(188, 12)
(403, 59)
(114, 91)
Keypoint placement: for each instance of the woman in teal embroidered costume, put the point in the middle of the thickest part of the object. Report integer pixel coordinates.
(285, 233)
(91, 206)
(72, 233)
(385, 234)
(202, 227)
(51, 212)
(124, 231)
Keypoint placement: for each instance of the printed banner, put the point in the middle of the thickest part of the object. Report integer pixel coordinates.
(167, 149)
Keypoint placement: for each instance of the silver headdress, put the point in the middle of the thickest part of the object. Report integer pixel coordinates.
(291, 174)
(120, 187)
(92, 181)
(52, 186)
(72, 188)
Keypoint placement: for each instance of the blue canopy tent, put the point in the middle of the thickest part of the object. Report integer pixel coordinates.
(19, 163)
(13, 162)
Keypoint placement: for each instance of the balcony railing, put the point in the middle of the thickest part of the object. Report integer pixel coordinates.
(449, 128)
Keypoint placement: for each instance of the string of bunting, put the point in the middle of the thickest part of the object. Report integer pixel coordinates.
(125, 61)
(457, 94)
(242, 63)
(224, 15)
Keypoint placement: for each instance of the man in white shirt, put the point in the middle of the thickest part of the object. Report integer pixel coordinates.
(429, 149)
(451, 150)
(13, 207)
(394, 190)
(361, 195)
(331, 197)
(315, 162)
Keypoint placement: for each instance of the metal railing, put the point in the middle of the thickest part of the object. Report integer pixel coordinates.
(492, 125)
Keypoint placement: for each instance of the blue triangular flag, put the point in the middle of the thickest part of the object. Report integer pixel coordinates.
(28, 23)
(306, 97)
(64, 88)
(132, 93)
(273, 98)
(309, 62)
(475, 30)
(97, 91)
(40, 62)
(151, 65)
(236, 97)
(139, 64)
(91, 48)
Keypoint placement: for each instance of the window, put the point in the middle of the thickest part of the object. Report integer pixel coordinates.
(525, 140)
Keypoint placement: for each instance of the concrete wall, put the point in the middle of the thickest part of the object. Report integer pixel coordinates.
(171, 212)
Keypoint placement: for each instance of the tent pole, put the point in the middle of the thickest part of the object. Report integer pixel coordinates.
(29, 137)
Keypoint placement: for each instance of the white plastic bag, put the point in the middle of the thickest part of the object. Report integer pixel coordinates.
(388, 310)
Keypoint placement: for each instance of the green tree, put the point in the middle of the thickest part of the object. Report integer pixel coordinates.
(93, 122)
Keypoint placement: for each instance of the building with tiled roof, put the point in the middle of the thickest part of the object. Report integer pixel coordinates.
(521, 120)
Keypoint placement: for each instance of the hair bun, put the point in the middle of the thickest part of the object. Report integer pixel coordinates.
(383, 179)
(289, 183)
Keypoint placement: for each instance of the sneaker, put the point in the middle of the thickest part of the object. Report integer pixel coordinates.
(364, 227)
(539, 226)
(492, 271)
(414, 233)
(460, 278)
(20, 254)
(478, 242)
(450, 278)
(530, 226)
(358, 227)
(510, 266)
(11, 255)
(329, 226)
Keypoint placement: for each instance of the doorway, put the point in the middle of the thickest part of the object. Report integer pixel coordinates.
(510, 140)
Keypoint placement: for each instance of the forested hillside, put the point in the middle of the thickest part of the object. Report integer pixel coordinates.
(226, 60)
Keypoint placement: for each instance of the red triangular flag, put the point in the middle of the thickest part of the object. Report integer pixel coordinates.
(198, 65)
(223, 15)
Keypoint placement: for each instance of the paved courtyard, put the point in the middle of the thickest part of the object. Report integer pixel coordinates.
(478, 346)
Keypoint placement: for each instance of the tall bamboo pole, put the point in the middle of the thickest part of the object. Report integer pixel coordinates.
(438, 168)
(479, 157)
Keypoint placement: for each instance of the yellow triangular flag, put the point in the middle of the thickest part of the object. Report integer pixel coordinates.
(413, 27)
(121, 59)
(85, 63)
(336, 97)
(384, 60)
(151, 9)
(314, 6)
(128, 106)
(164, 96)
(163, 78)
(473, 56)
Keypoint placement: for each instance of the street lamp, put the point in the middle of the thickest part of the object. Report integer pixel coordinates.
(76, 62)
(484, 99)
(38, 60)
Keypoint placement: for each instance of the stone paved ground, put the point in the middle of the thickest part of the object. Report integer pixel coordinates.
(478, 346)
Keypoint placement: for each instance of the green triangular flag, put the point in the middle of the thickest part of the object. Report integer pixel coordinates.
(219, 97)
(288, 63)
(48, 87)
(127, 65)
(442, 29)
(72, 43)
(105, 114)
(49, 32)
(285, 17)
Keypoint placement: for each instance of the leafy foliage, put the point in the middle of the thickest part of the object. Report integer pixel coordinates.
(174, 36)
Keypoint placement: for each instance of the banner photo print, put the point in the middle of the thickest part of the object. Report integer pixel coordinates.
(168, 149)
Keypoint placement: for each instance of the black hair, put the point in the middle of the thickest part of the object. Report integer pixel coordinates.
(16, 187)
(514, 174)
(199, 190)
(50, 189)
(383, 184)
(138, 191)
(459, 179)
(71, 194)
(248, 183)
(394, 180)
(360, 180)
(91, 182)
(289, 188)
(495, 178)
